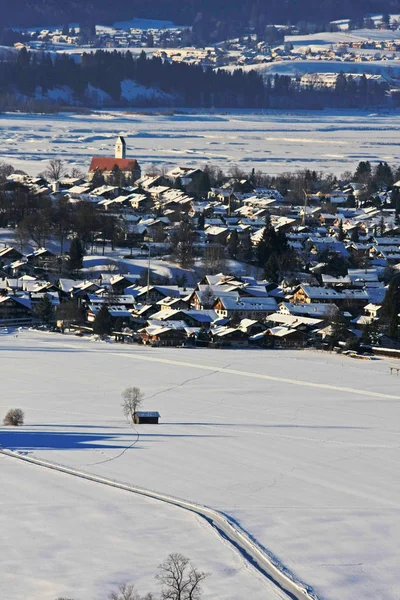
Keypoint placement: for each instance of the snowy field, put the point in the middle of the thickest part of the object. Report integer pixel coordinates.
(72, 538)
(301, 448)
(296, 68)
(272, 141)
(328, 38)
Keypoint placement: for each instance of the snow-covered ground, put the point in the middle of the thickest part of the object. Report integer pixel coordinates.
(301, 448)
(62, 536)
(294, 68)
(328, 38)
(271, 141)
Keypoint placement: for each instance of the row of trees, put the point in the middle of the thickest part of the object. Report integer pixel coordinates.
(186, 85)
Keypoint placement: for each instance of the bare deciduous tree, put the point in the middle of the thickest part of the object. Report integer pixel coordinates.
(126, 591)
(5, 171)
(55, 169)
(208, 297)
(132, 398)
(180, 580)
(214, 259)
(77, 173)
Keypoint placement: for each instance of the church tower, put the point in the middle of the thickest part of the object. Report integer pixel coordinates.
(120, 147)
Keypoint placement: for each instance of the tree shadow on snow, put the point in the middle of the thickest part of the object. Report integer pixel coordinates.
(17, 439)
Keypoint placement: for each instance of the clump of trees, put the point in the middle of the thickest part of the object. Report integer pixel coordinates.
(273, 253)
(178, 577)
(391, 309)
(182, 244)
(14, 417)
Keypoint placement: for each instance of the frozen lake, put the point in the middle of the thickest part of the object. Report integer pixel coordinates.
(272, 141)
(301, 448)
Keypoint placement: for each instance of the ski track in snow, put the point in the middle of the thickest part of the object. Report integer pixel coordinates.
(226, 527)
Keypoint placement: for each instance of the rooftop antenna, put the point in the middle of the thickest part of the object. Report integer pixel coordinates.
(303, 220)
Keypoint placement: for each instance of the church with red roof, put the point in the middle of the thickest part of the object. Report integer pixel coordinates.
(105, 165)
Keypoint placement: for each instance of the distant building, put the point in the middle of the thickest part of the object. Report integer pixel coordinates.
(105, 165)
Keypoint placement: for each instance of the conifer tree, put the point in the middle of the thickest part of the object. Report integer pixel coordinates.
(341, 234)
(102, 322)
(76, 254)
(233, 244)
(44, 310)
(391, 308)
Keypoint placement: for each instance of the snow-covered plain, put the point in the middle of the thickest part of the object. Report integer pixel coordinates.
(270, 141)
(301, 448)
(295, 68)
(62, 536)
(328, 38)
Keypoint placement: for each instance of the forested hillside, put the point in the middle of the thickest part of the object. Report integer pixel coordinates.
(98, 80)
(235, 14)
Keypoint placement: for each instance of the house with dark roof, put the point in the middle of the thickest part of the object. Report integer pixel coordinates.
(15, 308)
(146, 417)
(9, 255)
(245, 308)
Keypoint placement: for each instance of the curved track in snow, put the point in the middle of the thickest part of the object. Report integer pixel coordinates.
(237, 537)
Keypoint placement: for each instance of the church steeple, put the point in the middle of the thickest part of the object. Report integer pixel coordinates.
(120, 147)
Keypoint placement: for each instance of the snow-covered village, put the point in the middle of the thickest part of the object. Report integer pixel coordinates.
(195, 257)
(199, 300)
(238, 314)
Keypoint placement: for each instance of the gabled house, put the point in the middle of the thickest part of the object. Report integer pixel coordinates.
(9, 255)
(285, 337)
(42, 258)
(308, 294)
(14, 308)
(155, 293)
(156, 335)
(252, 326)
(250, 308)
(228, 336)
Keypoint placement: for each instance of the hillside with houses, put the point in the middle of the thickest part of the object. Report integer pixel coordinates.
(343, 63)
(194, 257)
